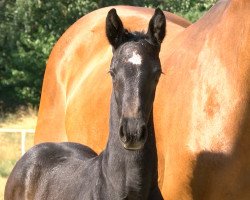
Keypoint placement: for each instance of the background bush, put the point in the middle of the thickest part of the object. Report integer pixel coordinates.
(30, 28)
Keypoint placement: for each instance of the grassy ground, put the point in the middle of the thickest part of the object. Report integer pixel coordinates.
(10, 150)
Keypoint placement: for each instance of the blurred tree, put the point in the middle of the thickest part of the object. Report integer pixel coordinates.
(29, 28)
(190, 9)
(147, 3)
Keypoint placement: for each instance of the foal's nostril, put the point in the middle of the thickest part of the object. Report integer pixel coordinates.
(133, 134)
(122, 135)
(143, 133)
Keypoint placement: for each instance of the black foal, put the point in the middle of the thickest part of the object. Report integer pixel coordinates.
(127, 168)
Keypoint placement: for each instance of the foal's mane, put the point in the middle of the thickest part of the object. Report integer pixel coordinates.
(134, 36)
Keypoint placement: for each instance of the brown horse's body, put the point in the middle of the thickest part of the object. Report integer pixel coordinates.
(202, 108)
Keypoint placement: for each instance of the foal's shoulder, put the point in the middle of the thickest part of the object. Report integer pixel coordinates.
(52, 153)
(78, 150)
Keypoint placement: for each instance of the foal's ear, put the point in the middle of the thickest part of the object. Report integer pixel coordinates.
(114, 28)
(157, 27)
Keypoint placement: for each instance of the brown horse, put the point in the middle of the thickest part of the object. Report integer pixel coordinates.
(202, 105)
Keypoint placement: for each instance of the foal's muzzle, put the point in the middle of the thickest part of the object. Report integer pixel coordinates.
(133, 133)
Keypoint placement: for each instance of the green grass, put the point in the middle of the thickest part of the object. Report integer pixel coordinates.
(10, 143)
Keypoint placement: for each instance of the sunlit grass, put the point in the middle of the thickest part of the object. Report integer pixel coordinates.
(24, 119)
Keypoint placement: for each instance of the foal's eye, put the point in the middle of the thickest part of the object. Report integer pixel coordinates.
(157, 75)
(158, 71)
(112, 73)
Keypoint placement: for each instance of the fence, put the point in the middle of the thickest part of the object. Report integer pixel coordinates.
(23, 133)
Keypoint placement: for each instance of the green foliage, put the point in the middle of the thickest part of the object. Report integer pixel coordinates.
(189, 9)
(143, 3)
(30, 28)
(6, 167)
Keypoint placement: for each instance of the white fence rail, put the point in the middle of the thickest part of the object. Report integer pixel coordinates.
(23, 133)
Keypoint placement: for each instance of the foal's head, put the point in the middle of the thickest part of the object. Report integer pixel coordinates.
(135, 71)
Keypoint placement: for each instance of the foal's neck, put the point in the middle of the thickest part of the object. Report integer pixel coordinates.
(135, 170)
